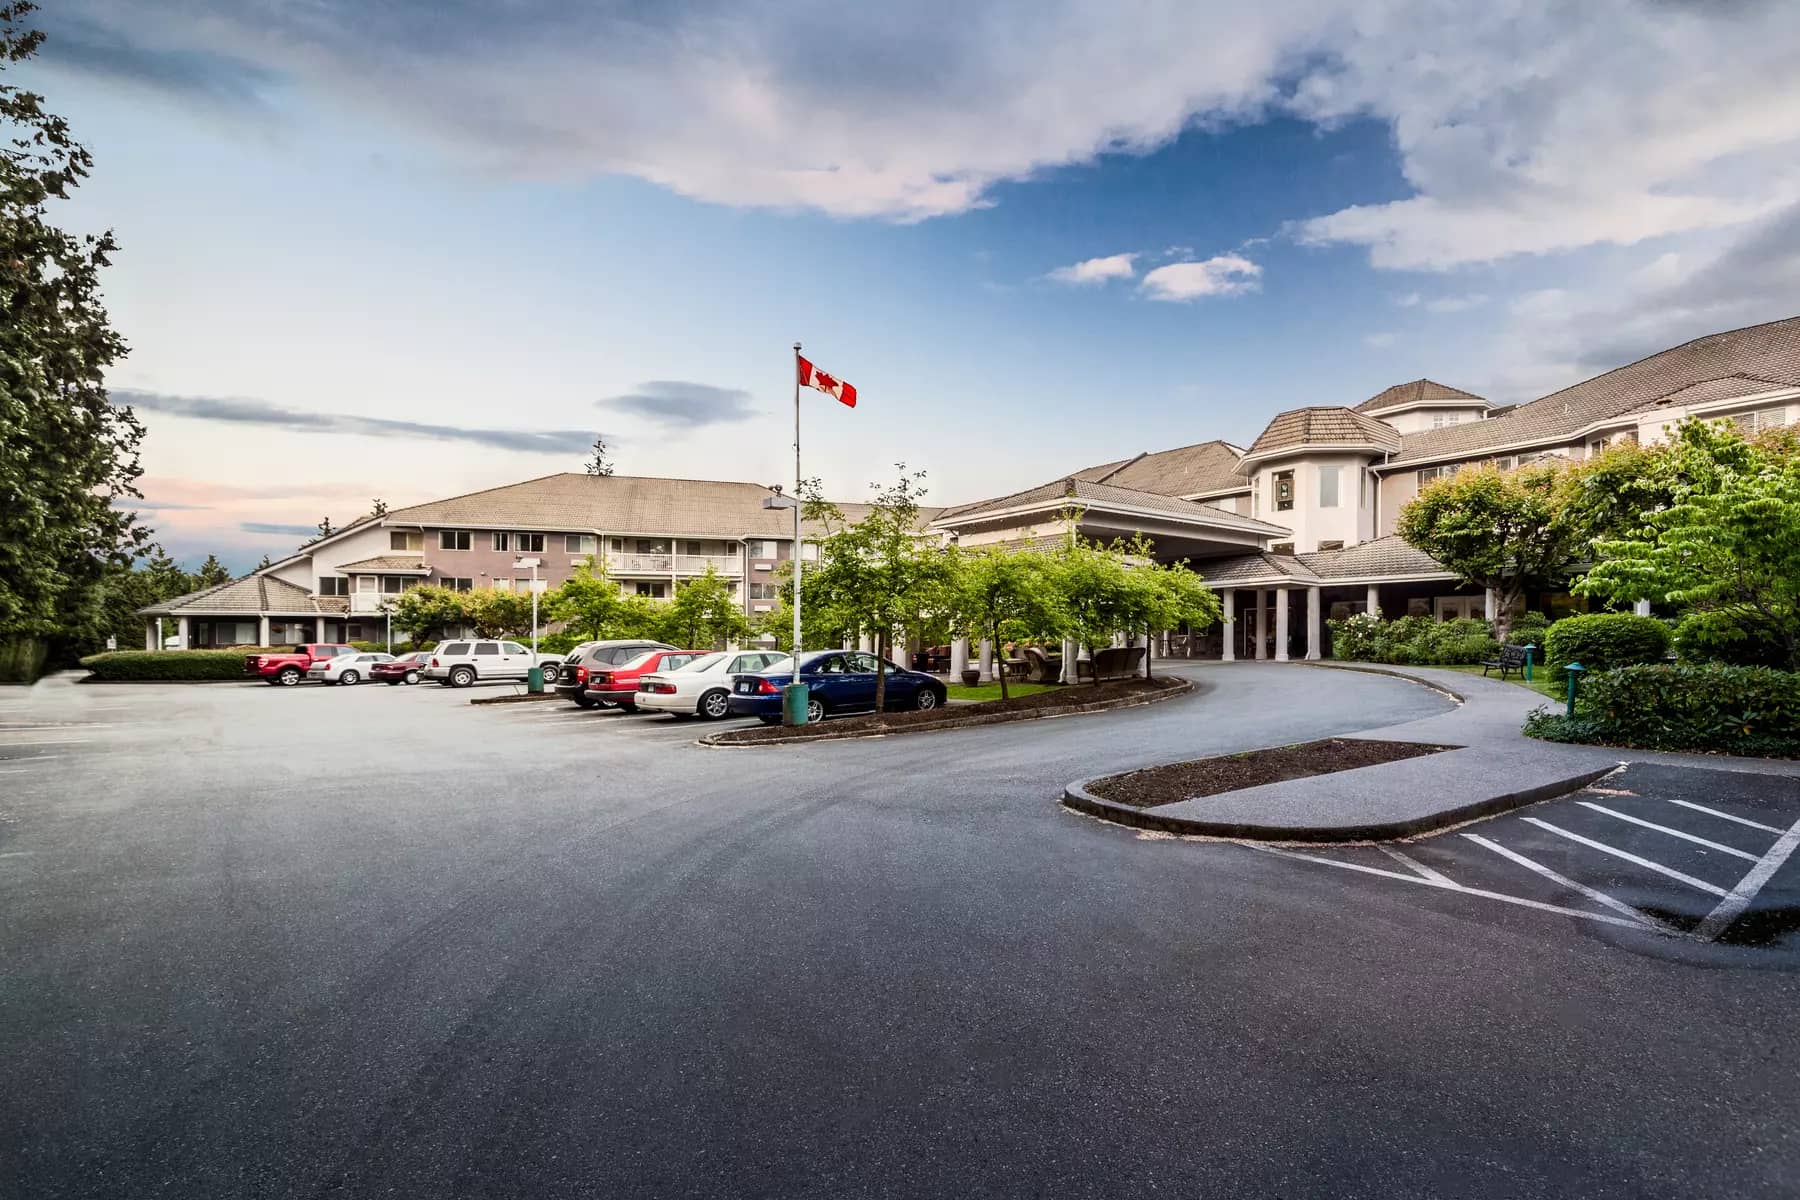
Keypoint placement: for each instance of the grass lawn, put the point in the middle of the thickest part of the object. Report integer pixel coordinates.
(1541, 682)
(991, 691)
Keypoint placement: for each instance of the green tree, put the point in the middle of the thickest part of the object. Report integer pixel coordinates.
(1162, 596)
(1095, 597)
(598, 464)
(587, 603)
(378, 508)
(428, 613)
(638, 616)
(325, 530)
(264, 564)
(878, 573)
(495, 613)
(1002, 595)
(1507, 531)
(212, 573)
(704, 613)
(1727, 547)
(67, 455)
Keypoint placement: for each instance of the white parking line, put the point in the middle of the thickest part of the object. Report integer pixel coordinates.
(45, 742)
(1458, 888)
(1414, 865)
(1713, 812)
(1671, 872)
(1601, 898)
(1686, 837)
(1733, 906)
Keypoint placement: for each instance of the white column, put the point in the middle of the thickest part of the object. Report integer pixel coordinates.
(318, 629)
(1281, 624)
(181, 631)
(1312, 624)
(1490, 602)
(897, 649)
(1229, 652)
(987, 660)
(865, 643)
(1641, 608)
(152, 627)
(959, 657)
(262, 631)
(1258, 620)
(1374, 601)
(1070, 650)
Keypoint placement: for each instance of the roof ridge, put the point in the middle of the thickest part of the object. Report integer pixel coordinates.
(1658, 354)
(1139, 457)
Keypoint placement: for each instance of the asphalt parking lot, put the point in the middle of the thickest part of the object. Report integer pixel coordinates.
(380, 941)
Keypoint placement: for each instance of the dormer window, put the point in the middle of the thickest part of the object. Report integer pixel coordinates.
(1284, 490)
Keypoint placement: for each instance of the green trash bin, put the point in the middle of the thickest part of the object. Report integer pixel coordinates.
(534, 681)
(793, 704)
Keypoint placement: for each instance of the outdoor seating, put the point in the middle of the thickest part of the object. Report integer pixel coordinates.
(1511, 658)
(1114, 662)
(1041, 667)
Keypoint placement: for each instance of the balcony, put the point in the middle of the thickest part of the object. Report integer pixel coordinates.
(673, 564)
(368, 602)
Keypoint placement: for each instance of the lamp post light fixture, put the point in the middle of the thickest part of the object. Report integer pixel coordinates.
(535, 676)
(1573, 670)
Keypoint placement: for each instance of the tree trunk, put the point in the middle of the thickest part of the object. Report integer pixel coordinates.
(881, 646)
(1149, 653)
(998, 658)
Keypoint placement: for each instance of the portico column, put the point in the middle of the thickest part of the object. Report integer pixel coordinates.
(987, 660)
(1259, 619)
(1281, 624)
(181, 631)
(1312, 624)
(959, 657)
(1069, 651)
(151, 627)
(1374, 602)
(1641, 608)
(865, 643)
(262, 631)
(1490, 603)
(1229, 653)
(318, 629)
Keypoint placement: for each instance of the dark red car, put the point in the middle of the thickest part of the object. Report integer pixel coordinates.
(618, 685)
(405, 669)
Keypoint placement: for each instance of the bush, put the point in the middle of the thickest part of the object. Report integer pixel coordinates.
(1528, 629)
(1602, 641)
(1735, 710)
(559, 643)
(172, 664)
(1414, 639)
(1360, 637)
(1713, 637)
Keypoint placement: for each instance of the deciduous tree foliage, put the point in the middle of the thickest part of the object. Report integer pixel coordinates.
(1003, 595)
(427, 613)
(67, 456)
(588, 603)
(704, 614)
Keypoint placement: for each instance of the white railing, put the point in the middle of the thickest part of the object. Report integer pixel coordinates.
(367, 602)
(673, 564)
(696, 564)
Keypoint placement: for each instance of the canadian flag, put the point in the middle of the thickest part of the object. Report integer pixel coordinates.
(831, 385)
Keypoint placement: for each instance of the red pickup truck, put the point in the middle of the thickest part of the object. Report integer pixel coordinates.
(289, 667)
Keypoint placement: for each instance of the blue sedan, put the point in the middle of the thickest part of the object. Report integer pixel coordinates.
(837, 681)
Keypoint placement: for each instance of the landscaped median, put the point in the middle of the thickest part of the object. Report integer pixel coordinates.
(1055, 702)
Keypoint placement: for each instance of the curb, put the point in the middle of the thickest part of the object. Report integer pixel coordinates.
(1077, 797)
(90, 680)
(1433, 684)
(1181, 687)
(517, 698)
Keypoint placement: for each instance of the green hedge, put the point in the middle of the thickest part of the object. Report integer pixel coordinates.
(172, 664)
(1529, 629)
(1602, 641)
(1418, 640)
(1734, 710)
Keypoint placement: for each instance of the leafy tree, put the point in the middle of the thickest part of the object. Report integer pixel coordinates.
(67, 455)
(704, 613)
(638, 617)
(428, 613)
(378, 508)
(212, 573)
(1502, 530)
(599, 464)
(1727, 547)
(878, 573)
(587, 603)
(1164, 595)
(495, 613)
(1002, 595)
(1094, 594)
(264, 564)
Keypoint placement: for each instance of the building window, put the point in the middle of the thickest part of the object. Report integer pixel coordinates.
(456, 584)
(406, 539)
(453, 539)
(1364, 482)
(578, 543)
(1328, 487)
(1761, 419)
(1282, 548)
(1284, 490)
(528, 543)
(764, 591)
(652, 546)
(393, 585)
(334, 585)
(1434, 473)
(1256, 495)
(656, 591)
(762, 548)
(809, 552)
(502, 542)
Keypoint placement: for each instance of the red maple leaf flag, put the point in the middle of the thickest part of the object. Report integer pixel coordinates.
(831, 385)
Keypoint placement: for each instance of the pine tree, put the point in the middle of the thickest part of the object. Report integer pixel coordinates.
(599, 464)
(379, 508)
(212, 573)
(325, 527)
(265, 564)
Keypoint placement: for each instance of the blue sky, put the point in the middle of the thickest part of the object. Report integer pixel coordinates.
(430, 247)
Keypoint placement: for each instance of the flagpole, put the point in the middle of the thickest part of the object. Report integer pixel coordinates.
(797, 502)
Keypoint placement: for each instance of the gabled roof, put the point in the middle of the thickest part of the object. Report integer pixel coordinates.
(1322, 426)
(1419, 391)
(1761, 354)
(1383, 557)
(1184, 471)
(387, 562)
(253, 594)
(1084, 493)
(1258, 567)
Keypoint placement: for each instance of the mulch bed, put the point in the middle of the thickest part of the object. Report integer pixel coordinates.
(1176, 782)
(1081, 697)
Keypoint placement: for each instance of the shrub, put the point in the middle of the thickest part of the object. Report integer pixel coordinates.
(1711, 637)
(559, 643)
(1361, 637)
(1413, 639)
(1602, 641)
(1736, 710)
(1528, 630)
(170, 664)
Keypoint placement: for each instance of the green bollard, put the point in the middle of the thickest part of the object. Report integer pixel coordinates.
(534, 681)
(1529, 647)
(793, 704)
(1573, 669)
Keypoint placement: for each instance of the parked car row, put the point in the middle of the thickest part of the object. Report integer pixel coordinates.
(458, 663)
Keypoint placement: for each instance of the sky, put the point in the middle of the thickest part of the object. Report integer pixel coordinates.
(409, 250)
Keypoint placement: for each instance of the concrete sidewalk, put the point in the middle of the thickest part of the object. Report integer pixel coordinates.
(1496, 768)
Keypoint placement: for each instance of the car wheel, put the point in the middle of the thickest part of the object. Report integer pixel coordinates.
(629, 706)
(715, 704)
(815, 711)
(770, 720)
(392, 682)
(550, 674)
(350, 677)
(927, 698)
(412, 677)
(462, 677)
(288, 676)
(585, 702)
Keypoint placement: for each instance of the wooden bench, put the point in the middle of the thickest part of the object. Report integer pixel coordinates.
(1512, 658)
(1114, 662)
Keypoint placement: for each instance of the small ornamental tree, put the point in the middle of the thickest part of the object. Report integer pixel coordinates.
(1507, 531)
(637, 616)
(1001, 594)
(428, 613)
(587, 603)
(1164, 595)
(1094, 598)
(705, 614)
(495, 613)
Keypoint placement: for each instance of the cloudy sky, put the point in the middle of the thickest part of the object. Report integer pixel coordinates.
(415, 248)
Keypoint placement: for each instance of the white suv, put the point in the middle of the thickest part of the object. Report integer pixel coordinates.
(461, 662)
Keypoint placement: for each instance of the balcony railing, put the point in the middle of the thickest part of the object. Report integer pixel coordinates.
(367, 602)
(673, 564)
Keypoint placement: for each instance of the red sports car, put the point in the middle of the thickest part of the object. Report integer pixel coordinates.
(618, 685)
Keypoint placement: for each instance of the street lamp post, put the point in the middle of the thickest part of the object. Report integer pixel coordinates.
(533, 564)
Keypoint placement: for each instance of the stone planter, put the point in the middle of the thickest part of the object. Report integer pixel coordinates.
(971, 676)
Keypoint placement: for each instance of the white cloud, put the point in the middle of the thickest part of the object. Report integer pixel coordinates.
(1097, 270)
(1408, 300)
(1455, 304)
(1379, 341)
(1220, 275)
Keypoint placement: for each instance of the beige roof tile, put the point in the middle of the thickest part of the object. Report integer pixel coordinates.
(1184, 471)
(1419, 391)
(387, 562)
(1385, 557)
(248, 596)
(1084, 492)
(1322, 427)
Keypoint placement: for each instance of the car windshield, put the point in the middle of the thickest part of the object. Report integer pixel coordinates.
(779, 665)
(705, 662)
(639, 659)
